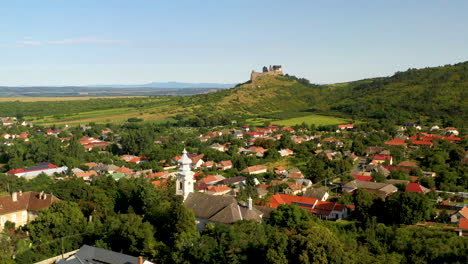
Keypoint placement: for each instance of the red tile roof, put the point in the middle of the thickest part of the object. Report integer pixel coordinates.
(382, 157)
(463, 224)
(414, 187)
(40, 167)
(362, 177)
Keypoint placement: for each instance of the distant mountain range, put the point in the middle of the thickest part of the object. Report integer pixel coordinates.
(177, 85)
(155, 88)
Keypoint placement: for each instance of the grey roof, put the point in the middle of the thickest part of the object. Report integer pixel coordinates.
(228, 214)
(318, 193)
(384, 187)
(93, 255)
(221, 209)
(206, 206)
(232, 180)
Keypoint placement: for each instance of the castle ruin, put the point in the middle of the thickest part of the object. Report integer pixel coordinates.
(272, 70)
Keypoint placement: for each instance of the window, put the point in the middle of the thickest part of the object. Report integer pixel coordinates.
(2, 220)
(24, 216)
(13, 218)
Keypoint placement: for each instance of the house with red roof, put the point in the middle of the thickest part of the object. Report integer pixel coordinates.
(289, 129)
(366, 178)
(346, 126)
(323, 209)
(285, 152)
(211, 179)
(225, 165)
(7, 123)
(381, 158)
(89, 143)
(463, 227)
(416, 188)
(32, 172)
(133, 159)
(217, 189)
(257, 169)
(86, 175)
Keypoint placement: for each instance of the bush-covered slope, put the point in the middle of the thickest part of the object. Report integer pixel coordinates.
(438, 93)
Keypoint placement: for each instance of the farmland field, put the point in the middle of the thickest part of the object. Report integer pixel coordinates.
(56, 99)
(313, 119)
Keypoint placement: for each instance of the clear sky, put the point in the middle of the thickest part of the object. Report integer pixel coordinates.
(71, 42)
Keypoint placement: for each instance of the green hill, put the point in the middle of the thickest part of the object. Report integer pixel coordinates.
(435, 94)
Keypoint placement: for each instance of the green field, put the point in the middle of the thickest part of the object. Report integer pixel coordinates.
(313, 119)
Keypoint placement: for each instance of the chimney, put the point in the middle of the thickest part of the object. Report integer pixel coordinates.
(140, 260)
(250, 203)
(41, 194)
(14, 196)
(20, 193)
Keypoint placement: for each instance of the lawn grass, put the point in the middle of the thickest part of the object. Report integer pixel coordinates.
(313, 119)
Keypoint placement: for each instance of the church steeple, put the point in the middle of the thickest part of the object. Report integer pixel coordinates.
(185, 181)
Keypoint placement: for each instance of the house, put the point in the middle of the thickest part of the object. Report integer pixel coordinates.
(220, 209)
(285, 152)
(212, 179)
(104, 168)
(47, 168)
(381, 158)
(89, 254)
(124, 170)
(208, 165)
(217, 189)
(381, 189)
(133, 159)
(219, 147)
(89, 143)
(293, 187)
(325, 210)
(452, 130)
(360, 177)
(280, 170)
(462, 226)
(225, 165)
(258, 151)
(237, 134)
(461, 214)
(416, 187)
(7, 123)
(86, 175)
(237, 181)
(288, 129)
(21, 208)
(346, 126)
(257, 169)
(320, 193)
(7, 136)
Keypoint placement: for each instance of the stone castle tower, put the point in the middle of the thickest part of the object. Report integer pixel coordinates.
(185, 181)
(272, 70)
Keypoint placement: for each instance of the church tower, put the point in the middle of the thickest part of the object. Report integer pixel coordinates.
(185, 181)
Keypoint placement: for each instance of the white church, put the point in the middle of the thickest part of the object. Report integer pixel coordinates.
(213, 208)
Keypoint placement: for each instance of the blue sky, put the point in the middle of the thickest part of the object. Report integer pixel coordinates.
(131, 42)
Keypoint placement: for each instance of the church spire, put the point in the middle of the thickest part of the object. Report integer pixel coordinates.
(185, 181)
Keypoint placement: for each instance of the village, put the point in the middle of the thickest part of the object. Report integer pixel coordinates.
(228, 174)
